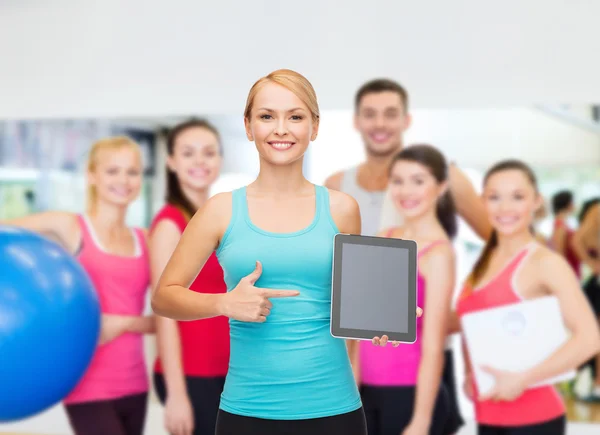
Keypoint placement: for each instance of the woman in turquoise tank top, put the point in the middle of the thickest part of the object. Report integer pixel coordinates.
(274, 240)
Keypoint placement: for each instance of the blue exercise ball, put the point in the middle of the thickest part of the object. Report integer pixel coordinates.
(49, 323)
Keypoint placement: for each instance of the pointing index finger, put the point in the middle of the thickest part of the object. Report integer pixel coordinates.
(271, 293)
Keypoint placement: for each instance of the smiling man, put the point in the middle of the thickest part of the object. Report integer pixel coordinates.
(381, 117)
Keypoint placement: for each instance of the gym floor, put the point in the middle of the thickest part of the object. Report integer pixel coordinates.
(583, 412)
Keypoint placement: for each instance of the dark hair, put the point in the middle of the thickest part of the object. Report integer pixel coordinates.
(434, 160)
(586, 207)
(381, 85)
(484, 259)
(561, 201)
(175, 195)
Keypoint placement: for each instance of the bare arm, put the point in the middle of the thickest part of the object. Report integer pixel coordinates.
(558, 277)
(115, 325)
(143, 325)
(589, 230)
(453, 323)
(163, 241)
(558, 240)
(171, 297)
(62, 227)
(468, 382)
(468, 203)
(438, 268)
(346, 215)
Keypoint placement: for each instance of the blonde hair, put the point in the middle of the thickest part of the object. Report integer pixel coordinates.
(107, 144)
(292, 81)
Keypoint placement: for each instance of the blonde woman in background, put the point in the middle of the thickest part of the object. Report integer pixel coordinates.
(111, 398)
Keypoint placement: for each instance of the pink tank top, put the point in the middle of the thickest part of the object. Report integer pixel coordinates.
(535, 405)
(118, 368)
(396, 366)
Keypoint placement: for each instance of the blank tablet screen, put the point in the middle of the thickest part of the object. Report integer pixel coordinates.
(374, 288)
(375, 285)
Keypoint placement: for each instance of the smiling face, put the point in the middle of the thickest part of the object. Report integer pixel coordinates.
(381, 120)
(115, 175)
(280, 124)
(196, 158)
(511, 201)
(414, 189)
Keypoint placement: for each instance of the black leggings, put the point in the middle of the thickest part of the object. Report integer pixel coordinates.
(389, 409)
(552, 427)
(205, 396)
(352, 423)
(122, 416)
(455, 419)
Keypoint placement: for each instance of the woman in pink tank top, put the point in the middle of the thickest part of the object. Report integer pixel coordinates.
(514, 267)
(401, 385)
(111, 397)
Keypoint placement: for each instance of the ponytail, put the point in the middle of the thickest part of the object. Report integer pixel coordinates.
(446, 214)
(484, 259)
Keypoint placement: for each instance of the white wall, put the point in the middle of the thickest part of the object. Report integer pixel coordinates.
(471, 138)
(147, 57)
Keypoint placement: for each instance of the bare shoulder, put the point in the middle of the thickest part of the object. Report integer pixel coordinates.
(546, 266)
(219, 203)
(165, 233)
(163, 226)
(215, 215)
(218, 206)
(344, 212)
(439, 258)
(63, 222)
(341, 202)
(334, 181)
(63, 226)
(545, 259)
(62, 219)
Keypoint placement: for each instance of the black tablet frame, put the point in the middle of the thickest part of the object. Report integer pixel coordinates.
(336, 292)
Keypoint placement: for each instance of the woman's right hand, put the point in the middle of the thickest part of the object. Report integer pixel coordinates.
(248, 303)
(179, 415)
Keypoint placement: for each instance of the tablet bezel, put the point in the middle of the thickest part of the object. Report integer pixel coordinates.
(361, 334)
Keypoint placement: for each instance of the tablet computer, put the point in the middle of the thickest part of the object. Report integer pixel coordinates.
(374, 288)
(515, 337)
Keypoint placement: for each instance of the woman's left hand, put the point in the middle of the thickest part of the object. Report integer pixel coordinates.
(508, 385)
(384, 339)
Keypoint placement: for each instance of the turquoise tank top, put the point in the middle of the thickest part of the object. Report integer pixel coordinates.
(289, 367)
